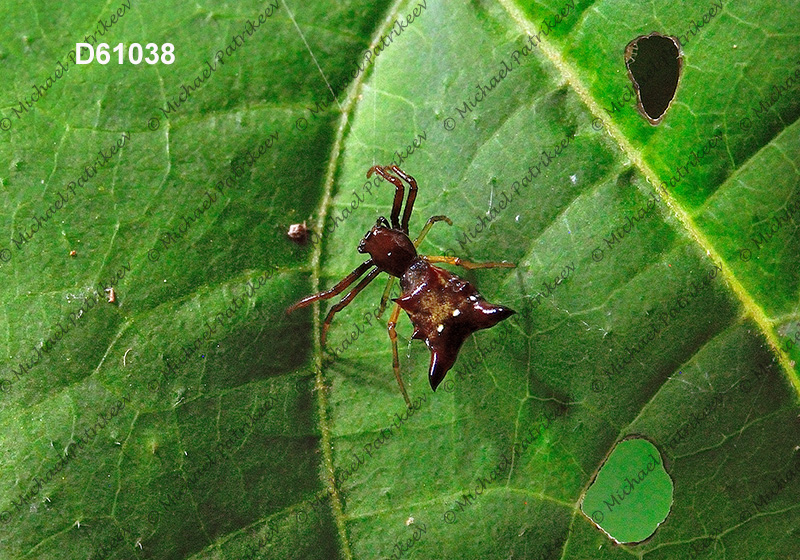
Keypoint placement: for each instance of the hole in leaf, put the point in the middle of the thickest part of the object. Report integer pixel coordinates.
(631, 494)
(654, 66)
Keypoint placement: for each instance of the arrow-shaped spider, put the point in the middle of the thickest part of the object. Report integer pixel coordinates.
(443, 308)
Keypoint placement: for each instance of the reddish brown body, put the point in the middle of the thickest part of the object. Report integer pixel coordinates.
(443, 308)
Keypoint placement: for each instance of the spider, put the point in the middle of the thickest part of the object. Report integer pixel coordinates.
(443, 308)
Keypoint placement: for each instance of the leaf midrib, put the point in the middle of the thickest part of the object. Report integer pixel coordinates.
(353, 92)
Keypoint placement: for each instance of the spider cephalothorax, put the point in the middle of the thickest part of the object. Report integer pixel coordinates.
(443, 308)
(390, 249)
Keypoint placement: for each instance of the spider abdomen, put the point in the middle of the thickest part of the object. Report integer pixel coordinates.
(444, 310)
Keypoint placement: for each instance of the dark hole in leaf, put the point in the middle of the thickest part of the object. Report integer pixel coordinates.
(654, 65)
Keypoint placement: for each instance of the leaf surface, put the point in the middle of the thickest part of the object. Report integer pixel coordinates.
(673, 318)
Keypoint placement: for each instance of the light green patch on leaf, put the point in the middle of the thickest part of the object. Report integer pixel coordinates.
(632, 493)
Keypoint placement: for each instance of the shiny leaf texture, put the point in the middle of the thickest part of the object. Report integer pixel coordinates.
(656, 285)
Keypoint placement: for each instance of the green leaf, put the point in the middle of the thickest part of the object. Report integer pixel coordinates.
(191, 418)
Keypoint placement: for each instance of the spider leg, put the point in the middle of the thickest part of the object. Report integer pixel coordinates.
(467, 264)
(345, 301)
(432, 220)
(412, 195)
(336, 290)
(385, 297)
(398, 193)
(395, 360)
